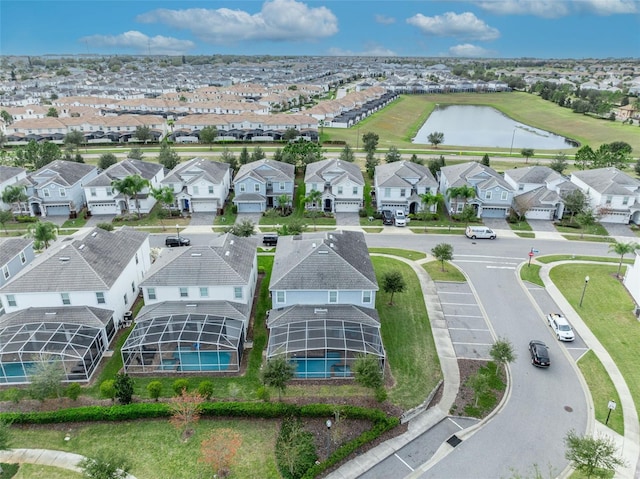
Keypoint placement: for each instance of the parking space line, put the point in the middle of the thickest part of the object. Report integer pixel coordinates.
(462, 316)
(459, 426)
(403, 462)
(469, 329)
(474, 344)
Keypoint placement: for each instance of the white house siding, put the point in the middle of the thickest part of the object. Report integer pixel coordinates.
(199, 206)
(632, 279)
(619, 218)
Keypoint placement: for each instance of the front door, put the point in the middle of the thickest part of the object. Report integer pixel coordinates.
(327, 204)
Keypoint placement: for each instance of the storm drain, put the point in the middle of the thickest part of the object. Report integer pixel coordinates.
(454, 440)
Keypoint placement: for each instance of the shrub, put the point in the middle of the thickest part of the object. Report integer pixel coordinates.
(14, 395)
(73, 391)
(380, 394)
(205, 389)
(124, 388)
(26, 219)
(295, 449)
(105, 226)
(180, 385)
(154, 388)
(263, 394)
(107, 389)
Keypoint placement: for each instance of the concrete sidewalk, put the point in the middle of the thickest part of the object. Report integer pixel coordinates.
(45, 457)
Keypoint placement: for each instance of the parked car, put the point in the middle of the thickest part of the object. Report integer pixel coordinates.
(173, 241)
(483, 232)
(400, 218)
(539, 354)
(270, 239)
(560, 326)
(387, 217)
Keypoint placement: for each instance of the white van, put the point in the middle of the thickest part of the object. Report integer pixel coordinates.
(481, 232)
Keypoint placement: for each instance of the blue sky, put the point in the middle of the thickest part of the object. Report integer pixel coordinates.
(473, 28)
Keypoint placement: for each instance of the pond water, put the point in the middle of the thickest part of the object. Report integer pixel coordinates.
(483, 126)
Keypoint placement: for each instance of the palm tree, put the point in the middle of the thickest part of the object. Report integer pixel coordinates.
(14, 194)
(622, 249)
(429, 199)
(314, 197)
(164, 196)
(130, 186)
(43, 233)
(465, 191)
(283, 202)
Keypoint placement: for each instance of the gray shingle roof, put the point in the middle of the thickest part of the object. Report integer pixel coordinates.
(66, 173)
(267, 169)
(608, 181)
(459, 175)
(337, 260)
(83, 315)
(213, 171)
(540, 197)
(306, 312)
(533, 174)
(227, 309)
(8, 172)
(90, 263)
(395, 174)
(11, 247)
(205, 265)
(126, 168)
(331, 171)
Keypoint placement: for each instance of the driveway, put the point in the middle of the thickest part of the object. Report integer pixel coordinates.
(496, 223)
(253, 217)
(204, 218)
(615, 229)
(347, 219)
(95, 220)
(542, 225)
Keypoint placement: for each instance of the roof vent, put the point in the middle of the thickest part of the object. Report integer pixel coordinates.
(50, 313)
(81, 246)
(323, 251)
(191, 305)
(320, 310)
(231, 242)
(330, 236)
(226, 253)
(196, 254)
(64, 259)
(313, 245)
(331, 244)
(94, 234)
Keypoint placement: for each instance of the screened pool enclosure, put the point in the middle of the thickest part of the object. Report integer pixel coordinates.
(184, 343)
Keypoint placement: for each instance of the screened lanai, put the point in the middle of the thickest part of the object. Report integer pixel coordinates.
(184, 342)
(324, 342)
(74, 337)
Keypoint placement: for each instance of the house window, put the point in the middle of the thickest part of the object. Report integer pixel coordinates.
(504, 195)
(210, 189)
(65, 298)
(109, 191)
(339, 190)
(45, 193)
(625, 200)
(204, 292)
(92, 191)
(387, 192)
(355, 190)
(133, 286)
(281, 186)
(151, 293)
(196, 190)
(366, 297)
(520, 187)
(5, 272)
(62, 192)
(23, 257)
(184, 292)
(256, 187)
(237, 292)
(314, 186)
(136, 258)
(280, 297)
(403, 192)
(126, 300)
(242, 188)
(333, 296)
(100, 297)
(608, 200)
(487, 195)
(11, 300)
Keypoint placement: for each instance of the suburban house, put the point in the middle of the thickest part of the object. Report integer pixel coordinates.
(401, 184)
(259, 184)
(612, 194)
(103, 199)
(70, 301)
(538, 192)
(493, 195)
(198, 304)
(199, 185)
(56, 189)
(10, 176)
(15, 255)
(631, 280)
(340, 182)
(323, 315)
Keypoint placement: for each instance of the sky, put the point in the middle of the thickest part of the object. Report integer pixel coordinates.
(452, 28)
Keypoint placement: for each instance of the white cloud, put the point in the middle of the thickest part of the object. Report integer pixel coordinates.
(370, 50)
(468, 50)
(609, 7)
(141, 43)
(464, 25)
(384, 20)
(557, 8)
(278, 20)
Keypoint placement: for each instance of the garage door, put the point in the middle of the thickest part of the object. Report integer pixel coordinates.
(538, 214)
(204, 206)
(57, 211)
(494, 213)
(250, 207)
(103, 209)
(347, 206)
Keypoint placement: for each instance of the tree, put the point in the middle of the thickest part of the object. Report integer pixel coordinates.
(559, 163)
(527, 153)
(244, 229)
(502, 352)
(276, 373)
(15, 194)
(428, 200)
(485, 160)
(219, 451)
(575, 202)
(46, 378)
(436, 138)
(208, 135)
(135, 153)
(622, 249)
(244, 156)
(142, 133)
(229, 158)
(370, 142)
(370, 164)
(130, 186)
(106, 160)
(6, 117)
(186, 409)
(302, 151)
(314, 197)
(393, 155)
(257, 154)
(295, 227)
(347, 154)
(167, 157)
(465, 192)
(393, 282)
(74, 139)
(442, 252)
(154, 388)
(42, 233)
(290, 134)
(52, 112)
(105, 465)
(435, 164)
(5, 217)
(468, 214)
(294, 448)
(367, 372)
(585, 219)
(479, 383)
(123, 386)
(283, 202)
(584, 157)
(165, 197)
(592, 456)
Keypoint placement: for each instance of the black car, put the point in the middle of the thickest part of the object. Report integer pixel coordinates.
(387, 217)
(172, 241)
(539, 354)
(270, 239)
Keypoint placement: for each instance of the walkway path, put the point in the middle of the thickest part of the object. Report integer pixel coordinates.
(45, 457)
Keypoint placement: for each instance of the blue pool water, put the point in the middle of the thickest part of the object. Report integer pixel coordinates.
(203, 360)
(14, 372)
(327, 367)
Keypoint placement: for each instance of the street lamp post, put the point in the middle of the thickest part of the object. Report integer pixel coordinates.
(512, 137)
(178, 231)
(329, 424)
(586, 282)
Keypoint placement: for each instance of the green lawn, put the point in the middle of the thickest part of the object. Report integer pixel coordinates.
(403, 253)
(565, 257)
(37, 471)
(531, 273)
(450, 273)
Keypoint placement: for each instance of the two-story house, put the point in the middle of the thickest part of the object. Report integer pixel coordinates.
(198, 304)
(401, 184)
(57, 189)
(493, 195)
(102, 199)
(538, 192)
(259, 185)
(323, 289)
(11, 176)
(15, 255)
(340, 182)
(199, 185)
(612, 194)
